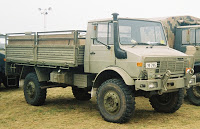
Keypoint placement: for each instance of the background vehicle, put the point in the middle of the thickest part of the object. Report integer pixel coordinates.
(2, 60)
(117, 59)
(183, 34)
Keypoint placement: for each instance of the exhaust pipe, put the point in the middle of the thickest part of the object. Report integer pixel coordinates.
(119, 53)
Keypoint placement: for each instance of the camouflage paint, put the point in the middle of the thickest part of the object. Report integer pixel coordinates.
(170, 24)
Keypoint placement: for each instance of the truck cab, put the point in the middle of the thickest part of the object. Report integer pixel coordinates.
(187, 40)
(136, 50)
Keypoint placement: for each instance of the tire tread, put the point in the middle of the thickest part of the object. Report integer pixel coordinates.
(129, 99)
(172, 108)
(40, 98)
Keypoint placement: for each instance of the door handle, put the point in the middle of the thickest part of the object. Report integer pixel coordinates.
(92, 53)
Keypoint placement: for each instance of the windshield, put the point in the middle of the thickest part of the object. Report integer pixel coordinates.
(135, 32)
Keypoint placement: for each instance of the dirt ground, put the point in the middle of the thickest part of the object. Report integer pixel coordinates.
(62, 110)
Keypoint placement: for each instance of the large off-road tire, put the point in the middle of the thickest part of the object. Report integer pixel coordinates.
(115, 101)
(168, 102)
(33, 94)
(81, 94)
(193, 93)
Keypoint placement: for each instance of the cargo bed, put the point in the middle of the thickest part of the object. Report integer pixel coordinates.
(51, 49)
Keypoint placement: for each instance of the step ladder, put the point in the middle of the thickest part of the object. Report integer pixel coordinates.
(13, 81)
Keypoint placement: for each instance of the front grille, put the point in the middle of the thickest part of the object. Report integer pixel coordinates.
(175, 65)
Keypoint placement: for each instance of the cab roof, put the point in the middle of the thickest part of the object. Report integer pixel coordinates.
(110, 19)
(190, 26)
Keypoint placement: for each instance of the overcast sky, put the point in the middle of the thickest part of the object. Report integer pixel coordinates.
(23, 15)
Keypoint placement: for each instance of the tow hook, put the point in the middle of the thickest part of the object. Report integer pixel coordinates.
(164, 79)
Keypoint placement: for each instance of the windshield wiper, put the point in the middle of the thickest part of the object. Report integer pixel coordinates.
(143, 44)
(140, 44)
(159, 44)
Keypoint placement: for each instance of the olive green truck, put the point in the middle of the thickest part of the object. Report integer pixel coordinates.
(116, 60)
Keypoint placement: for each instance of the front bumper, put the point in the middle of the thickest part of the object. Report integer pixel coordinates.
(171, 84)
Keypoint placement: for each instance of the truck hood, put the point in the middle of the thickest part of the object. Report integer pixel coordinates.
(155, 51)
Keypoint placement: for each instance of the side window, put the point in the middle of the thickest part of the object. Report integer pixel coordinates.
(184, 37)
(198, 36)
(192, 36)
(104, 34)
(188, 36)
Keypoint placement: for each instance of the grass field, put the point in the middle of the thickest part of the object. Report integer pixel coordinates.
(62, 110)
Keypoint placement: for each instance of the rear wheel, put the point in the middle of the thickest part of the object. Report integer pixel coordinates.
(115, 101)
(33, 93)
(168, 102)
(81, 94)
(193, 93)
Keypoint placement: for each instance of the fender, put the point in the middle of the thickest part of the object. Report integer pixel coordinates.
(124, 75)
(43, 74)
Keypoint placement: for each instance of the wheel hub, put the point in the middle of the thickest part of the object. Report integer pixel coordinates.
(165, 98)
(31, 89)
(111, 102)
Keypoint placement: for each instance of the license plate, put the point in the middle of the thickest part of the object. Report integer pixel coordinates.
(151, 65)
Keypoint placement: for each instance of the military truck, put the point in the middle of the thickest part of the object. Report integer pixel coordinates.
(116, 60)
(183, 33)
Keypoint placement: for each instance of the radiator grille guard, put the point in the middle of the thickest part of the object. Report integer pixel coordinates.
(177, 66)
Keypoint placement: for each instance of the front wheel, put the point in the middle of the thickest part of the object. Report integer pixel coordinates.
(193, 93)
(33, 94)
(115, 101)
(168, 102)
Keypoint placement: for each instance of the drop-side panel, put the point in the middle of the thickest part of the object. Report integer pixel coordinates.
(56, 54)
(47, 49)
(16, 53)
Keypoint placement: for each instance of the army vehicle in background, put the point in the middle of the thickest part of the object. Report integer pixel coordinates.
(116, 60)
(2, 61)
(183, 33)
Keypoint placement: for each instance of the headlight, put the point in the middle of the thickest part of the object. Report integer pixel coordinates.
(153, 85)
(192, 81)
(151, 65)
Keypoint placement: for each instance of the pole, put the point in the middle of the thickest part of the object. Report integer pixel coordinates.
(44, 22)
(44, 12)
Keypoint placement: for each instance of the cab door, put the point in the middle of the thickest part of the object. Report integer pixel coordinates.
(102, 49)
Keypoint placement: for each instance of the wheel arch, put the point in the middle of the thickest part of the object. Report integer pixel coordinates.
(43, 74)
(25, 71)
(112, 72)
